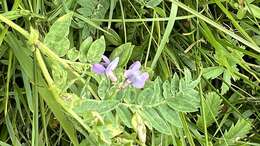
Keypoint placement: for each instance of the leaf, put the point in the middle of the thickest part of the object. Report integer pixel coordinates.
(255, 10)
(212, 106)
(73, 54)
(57, 37)
(174, 87)
(170, 115)
(124, 115)
(124, 53)
(28, 91)
(59, 76)
(227, 79)
(102, 88)
(240, 130)
(212, 72)
(236, 132)
(87, 105)
(157, 95)
(144, 97)
(256, 38)
(96, 50)
(108, 131)
(154, 119)
(113, 37)
(241, 13)
(92, 9)
(152, 3)
(167, 89)
(185, 101)
(84, 47)
(139, 127)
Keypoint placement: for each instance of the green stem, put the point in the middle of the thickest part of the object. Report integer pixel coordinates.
(10, 59)
(123, 19)
(150, 42)
(168, 30)
(186, 129)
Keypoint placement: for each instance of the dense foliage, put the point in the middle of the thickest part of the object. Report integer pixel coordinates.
(176, 73)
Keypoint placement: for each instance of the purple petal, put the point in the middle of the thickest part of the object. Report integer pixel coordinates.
(98, 68)
(105, 59)
(135, 66)
(112, 65)
(128, 73)
(139, 81)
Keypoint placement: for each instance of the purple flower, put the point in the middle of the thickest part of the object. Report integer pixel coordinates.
(106, 67)
(135, 76)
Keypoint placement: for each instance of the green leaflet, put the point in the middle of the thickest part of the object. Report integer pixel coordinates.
(170, 115)
(212, 106)
(237, 131)
(149, 3)
(227, 79)
(59, 75)
(92, 9)
(182, 96)
(155, 120)
(124, 115)
(124, 53)
(57, 37)
(113, 37)
(240, 130)
(212, 72)
(96, 50)
(139, 126)
(152, 3)
(103, 88)
(255, 10)
(86, 105)
(73, 54)
(144, 97)
(83, 50)
(186, 101)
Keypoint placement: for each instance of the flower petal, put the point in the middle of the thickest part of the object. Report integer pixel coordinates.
(112, 65)
(128, 73)
(105, 59)
(145, 76)
(98, 68)
(139, 81)
(135, 66)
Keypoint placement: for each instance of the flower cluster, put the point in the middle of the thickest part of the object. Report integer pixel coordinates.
(133, 75)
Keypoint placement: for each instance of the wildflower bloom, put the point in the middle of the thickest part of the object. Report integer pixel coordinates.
(135, 76)
(106, 67)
